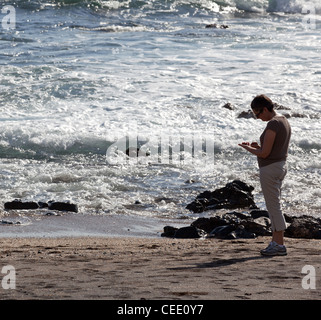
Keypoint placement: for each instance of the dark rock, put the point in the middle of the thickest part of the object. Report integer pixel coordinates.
(260, 226)
(280, 107)
(228, 106)
(9, 222)
(52, 205)
(198, 205)
(223, 232)
(301, 115)
(246, 114)
(229, 232)
(289, 219)
(294, 115)
(42, 205)
(304, 227)
(236, 194)
(216, 26)
(208, 224)
(240, 215)
(242, 233)
(169, 232)
(259, 213)
(190, 232)
(19, 205)
(62, 206)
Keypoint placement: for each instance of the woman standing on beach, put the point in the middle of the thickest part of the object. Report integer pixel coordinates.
(271, 154)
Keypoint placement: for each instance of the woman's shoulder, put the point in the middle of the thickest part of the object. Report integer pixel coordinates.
(273, 123)
(278, 121)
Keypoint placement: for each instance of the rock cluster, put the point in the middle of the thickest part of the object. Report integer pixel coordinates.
(303, 227)
(286, 111)
(236, 225)
(231, 225)
(235, 194)
(51, 205)
(216, 26)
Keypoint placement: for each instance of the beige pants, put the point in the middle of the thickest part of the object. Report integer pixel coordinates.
(271, 178)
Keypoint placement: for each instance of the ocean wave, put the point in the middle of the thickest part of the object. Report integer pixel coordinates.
(112, 28)
(47, 148)
(295, 6)
(172, 6)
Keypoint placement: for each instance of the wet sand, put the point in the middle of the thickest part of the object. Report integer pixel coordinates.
(129, 268)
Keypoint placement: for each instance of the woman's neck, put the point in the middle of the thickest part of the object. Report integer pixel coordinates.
(272, 115)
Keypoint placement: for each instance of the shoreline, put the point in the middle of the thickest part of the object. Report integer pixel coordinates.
(87, 225)
(133, 268)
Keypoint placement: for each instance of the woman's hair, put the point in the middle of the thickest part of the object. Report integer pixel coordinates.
(262, 101)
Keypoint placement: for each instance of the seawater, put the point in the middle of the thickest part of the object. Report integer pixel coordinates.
(77, 76)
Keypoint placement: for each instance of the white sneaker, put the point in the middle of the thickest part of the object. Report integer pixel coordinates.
(274, 249)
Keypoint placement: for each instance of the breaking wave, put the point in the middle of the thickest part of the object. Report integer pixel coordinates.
(174, 6)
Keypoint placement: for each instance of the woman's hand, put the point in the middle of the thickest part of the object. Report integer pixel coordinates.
(265, 150)
(255, 145)
(251, 147)
(243, 144)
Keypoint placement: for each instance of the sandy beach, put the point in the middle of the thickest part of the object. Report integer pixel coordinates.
(156, 268)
